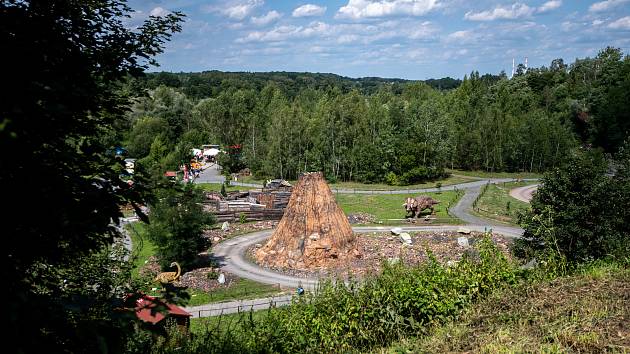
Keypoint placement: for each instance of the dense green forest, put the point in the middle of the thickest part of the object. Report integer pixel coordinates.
(383, 130)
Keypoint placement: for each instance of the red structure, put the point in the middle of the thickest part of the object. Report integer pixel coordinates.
(147, 310)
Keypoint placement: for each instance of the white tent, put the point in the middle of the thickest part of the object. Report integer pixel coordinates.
(196, 151)
(211, 152)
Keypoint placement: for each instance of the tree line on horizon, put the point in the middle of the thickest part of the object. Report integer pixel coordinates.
(397, 132)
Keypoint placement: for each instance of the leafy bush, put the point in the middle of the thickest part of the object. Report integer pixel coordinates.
(422, 174)
(177, 220)
(580, 211)
(340, 318)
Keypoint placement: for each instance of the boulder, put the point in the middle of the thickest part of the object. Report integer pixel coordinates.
(462, 241)
(405, 238)
(225, 226)
(463, 230)
(396, 230)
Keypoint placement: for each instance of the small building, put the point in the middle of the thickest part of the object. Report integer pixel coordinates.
(148, 310)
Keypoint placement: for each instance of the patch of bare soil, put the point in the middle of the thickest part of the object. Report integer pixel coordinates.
(377, 248)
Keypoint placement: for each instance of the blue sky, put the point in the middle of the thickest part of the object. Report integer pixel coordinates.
(412, 39)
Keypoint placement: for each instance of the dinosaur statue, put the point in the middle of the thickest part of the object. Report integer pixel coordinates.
(418, 204)
(169, 277)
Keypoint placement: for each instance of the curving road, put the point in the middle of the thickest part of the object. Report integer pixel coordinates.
(211, 174)
(231, 253)
(525, 193)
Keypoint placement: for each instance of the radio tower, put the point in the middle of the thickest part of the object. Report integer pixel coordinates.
(525, 64)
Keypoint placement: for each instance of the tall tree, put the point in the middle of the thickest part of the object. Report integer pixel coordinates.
(66, 59)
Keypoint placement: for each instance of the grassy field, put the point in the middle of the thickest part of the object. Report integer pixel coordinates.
(242, 289)
(378, 186)
(388, 207)
(495, 203)
(588, 313)
(142, 247)
(484, 174)
(231, 322)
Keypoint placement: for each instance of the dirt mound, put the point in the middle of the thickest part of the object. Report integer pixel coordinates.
(313, 233)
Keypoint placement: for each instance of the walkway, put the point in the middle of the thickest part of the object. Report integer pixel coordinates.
(231, 255)
(525, 193)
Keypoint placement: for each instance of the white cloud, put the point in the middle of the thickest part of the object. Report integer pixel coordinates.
(282, 33)
(236, 10)
(550, 5)
(347, 33)
(622, 23)
(309, 10)
(423, 31)
(159, 11)
(513, 12)
(605, 5)
(347, 38)
(597, 22)
(358, 9)
(270, 17)
(460, 36)
(569, 26)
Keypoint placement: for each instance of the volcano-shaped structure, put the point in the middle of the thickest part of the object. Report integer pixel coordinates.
(313, 232)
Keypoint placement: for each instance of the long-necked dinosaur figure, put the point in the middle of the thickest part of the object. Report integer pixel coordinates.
(169, 277)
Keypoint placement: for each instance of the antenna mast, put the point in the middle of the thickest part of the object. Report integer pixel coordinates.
(526, 64)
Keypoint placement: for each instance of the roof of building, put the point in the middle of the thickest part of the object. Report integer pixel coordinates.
(146, 310)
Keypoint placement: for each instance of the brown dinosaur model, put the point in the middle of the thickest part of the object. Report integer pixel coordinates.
(418, 204)
(169, 277)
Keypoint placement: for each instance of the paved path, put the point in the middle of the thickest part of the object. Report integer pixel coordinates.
(232, 258)
(227, 307)
(525, 193)
(231, 253)
(212, 175)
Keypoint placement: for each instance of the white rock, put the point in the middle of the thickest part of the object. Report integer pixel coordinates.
(405, 238)
(396, 230)
(463, 230)
(258, 245)
(225, 226)
(314, 237)
(216, 239)
(462, 241)
(221, 278)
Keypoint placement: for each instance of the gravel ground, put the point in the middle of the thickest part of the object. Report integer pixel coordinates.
(217, 234)
(380, 247)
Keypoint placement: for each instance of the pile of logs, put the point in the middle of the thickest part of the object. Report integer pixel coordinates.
(255, 205)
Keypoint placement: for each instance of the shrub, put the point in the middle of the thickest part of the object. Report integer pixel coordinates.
(401, 301)
(177, 220)
(580, 211)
